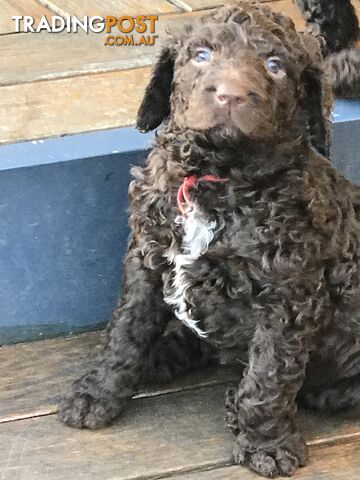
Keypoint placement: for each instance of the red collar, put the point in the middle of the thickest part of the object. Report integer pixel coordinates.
(183, 201)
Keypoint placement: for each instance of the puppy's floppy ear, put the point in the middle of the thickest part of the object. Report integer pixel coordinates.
(313, 104)
(317, 97)
(155, 105)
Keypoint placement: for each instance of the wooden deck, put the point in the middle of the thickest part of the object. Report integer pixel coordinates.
(57, 84)
(171, 431)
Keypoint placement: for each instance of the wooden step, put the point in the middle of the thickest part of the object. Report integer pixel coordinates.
(167, 431)
(331, 462)
(157, 437)
(71, 105)
(31, 387)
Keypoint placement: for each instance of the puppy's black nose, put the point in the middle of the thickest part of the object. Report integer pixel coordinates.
(230, 92)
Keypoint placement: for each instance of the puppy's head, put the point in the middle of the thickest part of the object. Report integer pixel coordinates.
(241, 71)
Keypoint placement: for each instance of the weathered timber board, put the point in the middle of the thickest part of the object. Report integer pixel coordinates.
(71, 105)
(330, 462)
(34, 375)
(156, 436)
(11, 8)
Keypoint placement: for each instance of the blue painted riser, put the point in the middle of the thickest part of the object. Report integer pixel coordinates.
(63, 225)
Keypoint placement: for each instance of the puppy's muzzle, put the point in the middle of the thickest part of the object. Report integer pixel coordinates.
(230, 92)
(234, 89)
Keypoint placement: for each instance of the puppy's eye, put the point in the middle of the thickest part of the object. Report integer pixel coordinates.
(202, 55)
(274, 65)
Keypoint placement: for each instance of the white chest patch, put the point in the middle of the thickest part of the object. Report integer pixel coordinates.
(198, 234)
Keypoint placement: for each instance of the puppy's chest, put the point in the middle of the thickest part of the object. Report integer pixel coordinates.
(209, 248)
(220, 237)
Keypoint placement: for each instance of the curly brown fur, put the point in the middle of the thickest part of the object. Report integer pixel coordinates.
(334, 20)
(336, 23)
(343, 70)
(266, 264)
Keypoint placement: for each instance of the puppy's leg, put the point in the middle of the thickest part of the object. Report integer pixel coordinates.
(261, 410)
(340, 357)
(99, 396)
(335, 21)
(177, 352)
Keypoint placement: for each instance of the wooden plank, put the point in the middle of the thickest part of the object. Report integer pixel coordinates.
(157, 436)
(332, 462)
(76, 54)
(11, 8)
(34, 375)
(71, 105)
(81, 8)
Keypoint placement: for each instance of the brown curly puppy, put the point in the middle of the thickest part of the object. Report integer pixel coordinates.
(245, 240)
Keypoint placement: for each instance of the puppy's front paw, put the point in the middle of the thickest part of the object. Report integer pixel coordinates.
(271, 458)
(84, 407)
